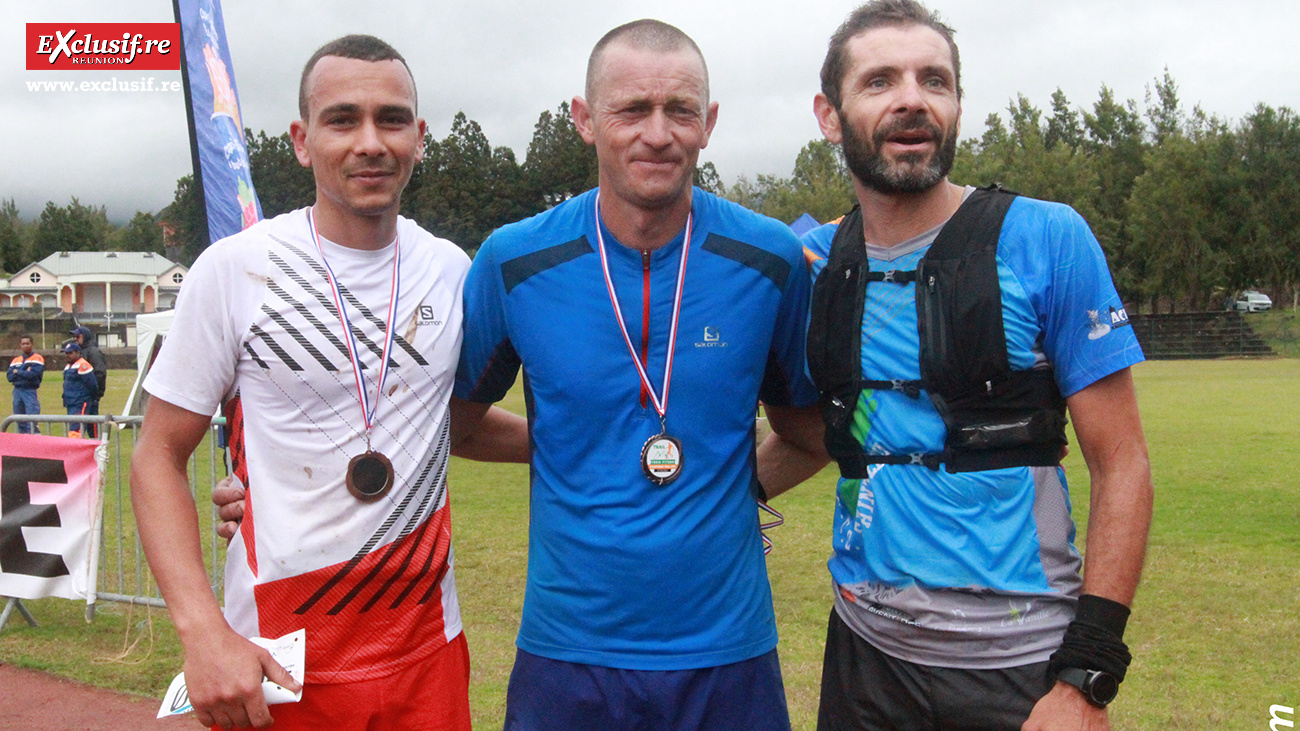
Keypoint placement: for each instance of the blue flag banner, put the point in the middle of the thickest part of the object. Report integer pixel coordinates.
(216, 132)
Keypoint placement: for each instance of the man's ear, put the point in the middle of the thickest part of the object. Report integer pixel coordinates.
(710, 119)
(828, 119)
(582, 120)
(298, 133)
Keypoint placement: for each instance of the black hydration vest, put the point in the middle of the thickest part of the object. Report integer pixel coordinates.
(995, 417)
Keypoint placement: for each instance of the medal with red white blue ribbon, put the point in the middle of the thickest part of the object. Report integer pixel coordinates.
(370, 474)
(661, 457)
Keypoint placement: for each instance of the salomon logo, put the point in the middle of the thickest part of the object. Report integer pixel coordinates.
(712, 338)
(427, 316)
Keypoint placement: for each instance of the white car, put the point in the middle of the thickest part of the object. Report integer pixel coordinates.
(1252, 301)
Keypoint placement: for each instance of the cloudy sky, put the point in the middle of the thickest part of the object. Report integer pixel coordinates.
(503, 62)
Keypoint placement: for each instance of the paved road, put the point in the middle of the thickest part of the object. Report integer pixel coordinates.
(34, 700)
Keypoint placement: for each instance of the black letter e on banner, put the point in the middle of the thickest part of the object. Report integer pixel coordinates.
(17, 512)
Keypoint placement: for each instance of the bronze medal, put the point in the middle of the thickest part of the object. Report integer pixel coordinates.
(661, 459)
(370, 476)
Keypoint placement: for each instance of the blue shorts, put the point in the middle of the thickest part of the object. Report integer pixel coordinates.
(553, 695)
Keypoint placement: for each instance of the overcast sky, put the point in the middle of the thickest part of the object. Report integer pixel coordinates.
(502, 63)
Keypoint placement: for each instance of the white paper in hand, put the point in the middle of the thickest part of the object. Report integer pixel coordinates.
(288, 651)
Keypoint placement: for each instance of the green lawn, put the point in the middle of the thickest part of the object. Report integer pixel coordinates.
(1279, 329)
(1215, 633)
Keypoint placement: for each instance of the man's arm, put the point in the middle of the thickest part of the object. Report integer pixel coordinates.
(478, 431)
(91, 382)
(795, 449)
(223, 671)
(1106, 421)
(1110, 436)
(488, 433)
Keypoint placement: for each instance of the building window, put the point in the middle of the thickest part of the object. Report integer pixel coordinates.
(178, 277)
(35, 277)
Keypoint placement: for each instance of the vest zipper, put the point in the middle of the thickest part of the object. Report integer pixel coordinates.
(936, 334)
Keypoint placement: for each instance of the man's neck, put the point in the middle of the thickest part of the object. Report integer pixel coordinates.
(368, 233)
(892, 218)
(644, 229)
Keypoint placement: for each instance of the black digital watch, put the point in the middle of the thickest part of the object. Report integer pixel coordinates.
(1099, 687)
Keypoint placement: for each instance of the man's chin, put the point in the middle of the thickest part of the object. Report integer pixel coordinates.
(373, 208)
(913, 172)
(656, 196)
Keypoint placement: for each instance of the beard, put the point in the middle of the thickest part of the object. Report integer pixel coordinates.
(911, 172)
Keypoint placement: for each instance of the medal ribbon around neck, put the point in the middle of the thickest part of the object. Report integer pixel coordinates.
(368, 408)
(661, 405)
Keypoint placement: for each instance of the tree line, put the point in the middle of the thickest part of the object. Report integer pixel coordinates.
(74, 227)
(1189, 208)
(462, 189)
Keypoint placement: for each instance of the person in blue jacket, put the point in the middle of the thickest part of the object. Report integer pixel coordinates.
(79, 386)
(25, 372)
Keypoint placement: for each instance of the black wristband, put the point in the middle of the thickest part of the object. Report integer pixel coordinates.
(1095, 639)
(1102, 612)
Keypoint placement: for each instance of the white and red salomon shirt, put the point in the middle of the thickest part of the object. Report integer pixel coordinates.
(257, 333)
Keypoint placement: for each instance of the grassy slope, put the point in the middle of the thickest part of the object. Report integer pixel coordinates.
(1214, 634)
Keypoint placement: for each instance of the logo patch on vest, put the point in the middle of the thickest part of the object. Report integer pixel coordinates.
(1118, 318)
(1101, 326)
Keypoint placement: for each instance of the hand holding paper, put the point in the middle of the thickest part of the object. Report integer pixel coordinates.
(224, 702)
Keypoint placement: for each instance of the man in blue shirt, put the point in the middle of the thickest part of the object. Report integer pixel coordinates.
(25, 372)
(649, 318)
(960, 600)
(79, 388)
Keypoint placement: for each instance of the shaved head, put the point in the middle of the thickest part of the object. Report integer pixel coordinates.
(645, 34)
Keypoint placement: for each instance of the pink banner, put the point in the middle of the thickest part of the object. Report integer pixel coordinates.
(49, 493)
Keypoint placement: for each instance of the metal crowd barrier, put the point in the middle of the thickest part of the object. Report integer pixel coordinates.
(122, 572)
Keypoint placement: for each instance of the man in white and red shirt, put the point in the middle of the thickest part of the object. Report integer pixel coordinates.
(329, 338)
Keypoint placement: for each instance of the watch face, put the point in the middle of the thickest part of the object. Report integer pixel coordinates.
(1103, 687)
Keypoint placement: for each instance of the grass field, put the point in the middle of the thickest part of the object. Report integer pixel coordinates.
(1215, 633)
(1279, 329)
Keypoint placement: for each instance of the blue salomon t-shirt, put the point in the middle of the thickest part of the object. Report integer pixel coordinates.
(623, 572)
(972, 569)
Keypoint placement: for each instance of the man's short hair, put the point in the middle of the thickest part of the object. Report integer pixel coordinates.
(880, 14)
(356, 46)
(24, 337)
(646, 34)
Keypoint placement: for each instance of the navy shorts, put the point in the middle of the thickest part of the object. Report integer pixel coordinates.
(553, 695)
